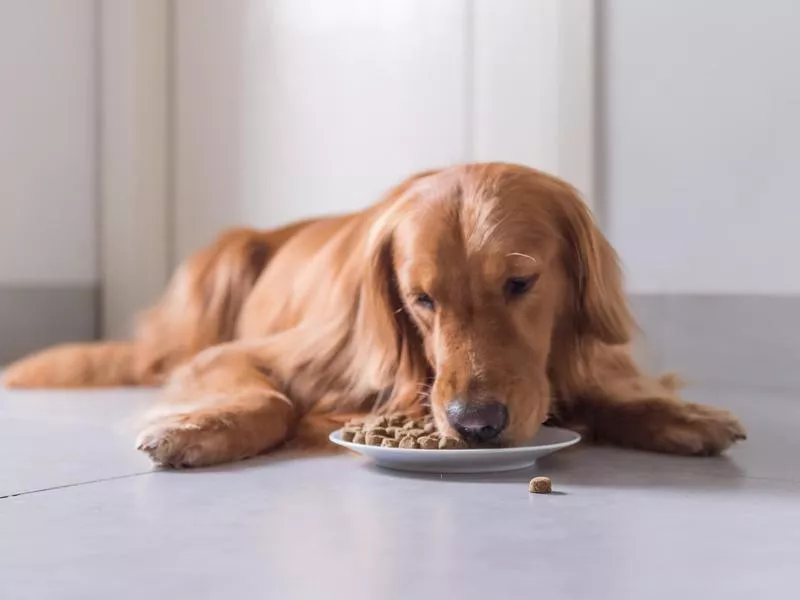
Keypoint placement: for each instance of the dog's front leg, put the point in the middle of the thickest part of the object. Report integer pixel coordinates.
(616, 404)
(221, 407)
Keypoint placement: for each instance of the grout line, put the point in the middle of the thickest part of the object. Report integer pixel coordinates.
(76, 484)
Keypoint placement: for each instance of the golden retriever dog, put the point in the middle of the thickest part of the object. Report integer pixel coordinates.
(483, 293)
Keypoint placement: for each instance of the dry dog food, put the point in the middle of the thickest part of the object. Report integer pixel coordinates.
(398, 431)
(408, 442)
(448, 443)
(428, 442)
(374, 439)
(540, 485)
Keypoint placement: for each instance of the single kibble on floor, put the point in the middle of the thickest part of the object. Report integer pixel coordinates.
(428, 443)
(388, 443)
(450, 443)
(540, 485)
(408, 442)
(359, 437)
(374, 440)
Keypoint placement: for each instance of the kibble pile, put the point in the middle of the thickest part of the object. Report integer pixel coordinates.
(399, 432)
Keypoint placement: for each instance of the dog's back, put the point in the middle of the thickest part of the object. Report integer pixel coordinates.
(200, 308)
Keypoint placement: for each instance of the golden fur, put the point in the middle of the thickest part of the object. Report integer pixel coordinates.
(400, 307)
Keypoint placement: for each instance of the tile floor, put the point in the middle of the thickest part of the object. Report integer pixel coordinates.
(83, 516)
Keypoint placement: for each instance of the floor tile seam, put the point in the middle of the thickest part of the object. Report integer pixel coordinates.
(74, 484)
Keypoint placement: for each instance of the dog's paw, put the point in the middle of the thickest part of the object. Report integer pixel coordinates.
(177, 442)
(699, 430)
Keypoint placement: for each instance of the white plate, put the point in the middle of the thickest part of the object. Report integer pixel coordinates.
(481, 460)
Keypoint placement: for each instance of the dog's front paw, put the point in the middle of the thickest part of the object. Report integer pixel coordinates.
(699, 430)
(179, 442)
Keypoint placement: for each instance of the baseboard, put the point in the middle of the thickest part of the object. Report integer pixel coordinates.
(734, 340)
(32, 317)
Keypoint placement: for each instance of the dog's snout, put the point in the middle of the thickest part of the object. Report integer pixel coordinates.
(480, 421)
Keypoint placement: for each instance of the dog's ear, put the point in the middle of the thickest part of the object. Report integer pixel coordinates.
(378, 324)
(389, 347)
(600, 309)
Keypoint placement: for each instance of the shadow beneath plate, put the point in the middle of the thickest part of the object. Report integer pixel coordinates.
(588, 466)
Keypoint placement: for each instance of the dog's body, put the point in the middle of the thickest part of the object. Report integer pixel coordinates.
(483, 292)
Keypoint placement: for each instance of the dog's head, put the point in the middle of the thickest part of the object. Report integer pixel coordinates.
(496, 277)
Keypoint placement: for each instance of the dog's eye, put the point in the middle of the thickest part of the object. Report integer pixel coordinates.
(516, 286)
(425, 301)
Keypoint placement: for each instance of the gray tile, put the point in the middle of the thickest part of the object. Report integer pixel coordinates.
(623, 525)
(32, 318)
(50, 439)
(333, 527)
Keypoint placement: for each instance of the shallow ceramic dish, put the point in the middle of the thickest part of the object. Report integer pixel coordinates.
(481, 460)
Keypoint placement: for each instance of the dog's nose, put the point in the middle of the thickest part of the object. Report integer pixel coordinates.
(477, 421)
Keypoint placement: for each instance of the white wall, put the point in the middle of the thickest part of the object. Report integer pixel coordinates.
(299, 107)
(515, 87)
(135, 54)
(291, 108)
(47, 142)
(703, 144)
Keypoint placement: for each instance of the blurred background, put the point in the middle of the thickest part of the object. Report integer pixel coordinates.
(133, 131)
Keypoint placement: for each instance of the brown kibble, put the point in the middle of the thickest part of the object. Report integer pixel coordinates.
(374, 440)
(428, 443)
(540, 485)
(378, 422)
(408, 442)
(450, 443)
(398, 431)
